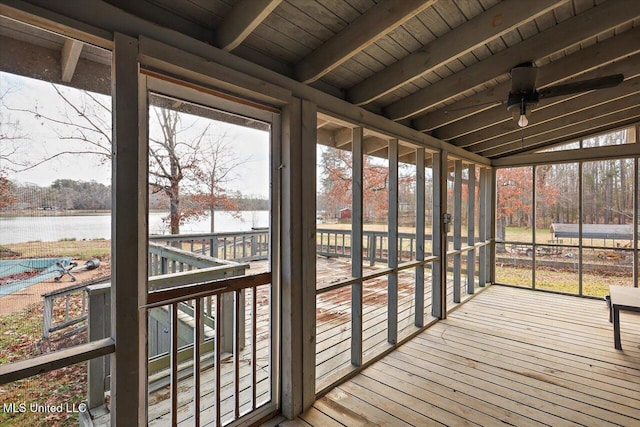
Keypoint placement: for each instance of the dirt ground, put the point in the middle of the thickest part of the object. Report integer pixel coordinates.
(19, 300)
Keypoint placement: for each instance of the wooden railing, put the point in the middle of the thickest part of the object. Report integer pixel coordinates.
(234, 246)
(48, 320)
(169, 268)
(337, 243)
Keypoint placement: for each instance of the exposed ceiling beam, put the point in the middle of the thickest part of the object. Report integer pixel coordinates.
(37, 62)
(565, 127)
(548, 118)
(576, 64)
(609, 152)
(568, 33)
(334, 138)
(490, 123)
(69, 59)
(365, 30)
(245, 17)
(482, 29)
(583, 130)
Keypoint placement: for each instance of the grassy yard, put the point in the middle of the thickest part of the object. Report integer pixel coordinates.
(77, 249)
(20, 338)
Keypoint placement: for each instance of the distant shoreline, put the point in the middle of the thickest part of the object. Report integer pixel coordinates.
(52, 212)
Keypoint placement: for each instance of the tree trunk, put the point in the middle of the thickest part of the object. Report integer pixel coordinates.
(501, 231)
(212, 211)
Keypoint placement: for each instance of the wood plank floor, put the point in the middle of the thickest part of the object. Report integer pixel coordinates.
(508, 356)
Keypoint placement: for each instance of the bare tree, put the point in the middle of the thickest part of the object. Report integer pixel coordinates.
(173, 160)
(217, 168)
(182, 153)
(81, 117)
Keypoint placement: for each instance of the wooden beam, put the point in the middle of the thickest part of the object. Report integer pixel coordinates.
(474, 33)
(630, 67)
(508, 130)
(308, 220)
(291, 260)
(595, 153)
(69, 59)
(97, 19)
(245, 17)
(471, 228)
(543, 131)
(616, 118)
(438, 237)
(612, 49)
(365, 30)
(10, 372)
(129, 236)
(26, 59)
(482, 225)
(588, 24)
(457, 229)
(357, 195)
(392, 242)
(420, 235)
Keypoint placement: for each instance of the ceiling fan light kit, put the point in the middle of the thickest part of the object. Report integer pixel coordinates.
(524, 94)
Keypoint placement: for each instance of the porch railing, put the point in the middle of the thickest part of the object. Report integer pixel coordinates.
(235, 246)
(169, 268)
(337, 243)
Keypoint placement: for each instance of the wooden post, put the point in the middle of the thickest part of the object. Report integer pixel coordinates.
(308, 200)
(491, 226)
(420, 212)
(47, 316)
(99, 327)
(471, 229)
(457, 229)
(356, 246)
(439, 237)
(291, 260)
(129, 237)
(392, 245)
(482, 267)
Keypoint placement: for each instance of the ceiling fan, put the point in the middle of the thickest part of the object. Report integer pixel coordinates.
(524, 94)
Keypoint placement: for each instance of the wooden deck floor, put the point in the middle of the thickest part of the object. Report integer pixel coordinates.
(508, 356)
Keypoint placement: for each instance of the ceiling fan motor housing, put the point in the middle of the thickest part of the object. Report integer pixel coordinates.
(516, 100)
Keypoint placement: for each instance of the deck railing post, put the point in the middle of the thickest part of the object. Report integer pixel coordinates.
(98, 327)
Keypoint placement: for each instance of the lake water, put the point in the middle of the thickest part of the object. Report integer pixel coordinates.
(54, 228)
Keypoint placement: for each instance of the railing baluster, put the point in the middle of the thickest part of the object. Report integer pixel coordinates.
(236, 350)
(174, 364)
(254, 331)
(217, 356)
(66, 308)
(197, 340)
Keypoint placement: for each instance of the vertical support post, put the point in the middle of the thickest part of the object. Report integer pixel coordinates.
(535, 222)
(392, 243)
(471, 229)
(491, 226)
(482, 267)
(636, 193)
(309, 137)
(420, 212)
(356, 246)
(291, 260)
(439, 237)
(99, 327)
(457, 229)
(129, 237)
(580, 220)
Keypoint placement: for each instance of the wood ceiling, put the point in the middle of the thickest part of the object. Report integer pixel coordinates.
(438, 66)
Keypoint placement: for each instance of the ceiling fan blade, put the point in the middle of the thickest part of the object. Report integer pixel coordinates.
(523, 78)
(582, 86)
